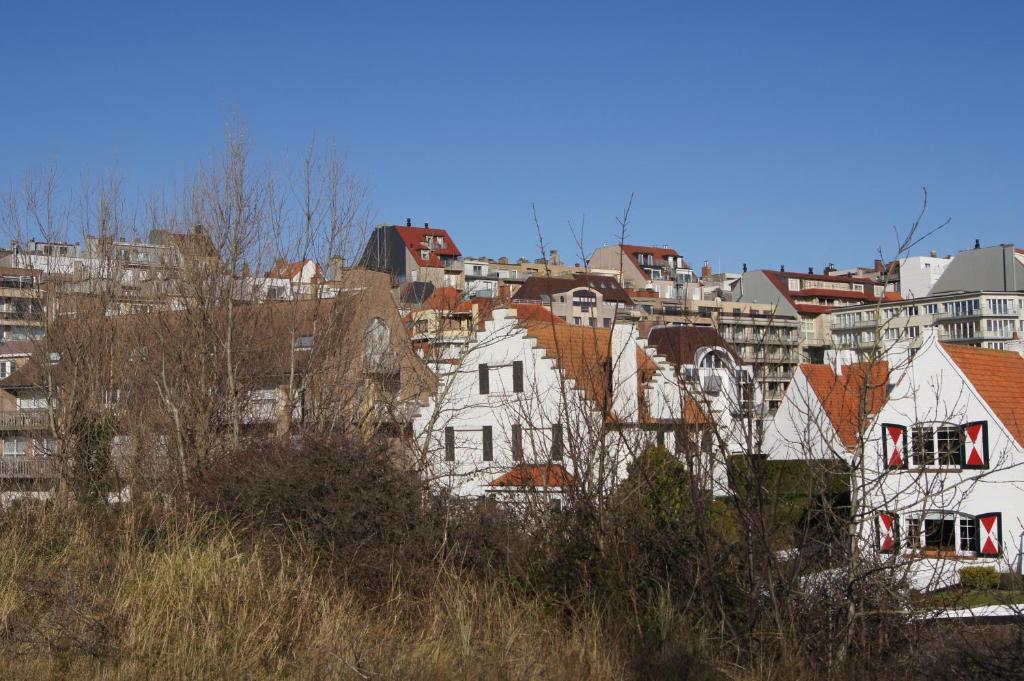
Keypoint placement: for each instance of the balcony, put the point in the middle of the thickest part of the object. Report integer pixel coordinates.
(24, 467)
(23, 420)
(981, 312)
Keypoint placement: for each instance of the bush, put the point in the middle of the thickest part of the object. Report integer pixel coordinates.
(345, 502)
(980, 577)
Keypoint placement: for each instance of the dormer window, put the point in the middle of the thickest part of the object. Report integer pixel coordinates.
(440, 241)
(424, 254)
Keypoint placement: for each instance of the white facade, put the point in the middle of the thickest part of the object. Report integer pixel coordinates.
(940, 487)
(925, 482)
(919, 273)
(537, 407)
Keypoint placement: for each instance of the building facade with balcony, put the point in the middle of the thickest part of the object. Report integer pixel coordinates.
(987, 319)
(653, 268)
(810, 298)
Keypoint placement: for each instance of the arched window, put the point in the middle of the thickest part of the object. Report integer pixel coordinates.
(713, 360)
(584, 299)
(378, 345)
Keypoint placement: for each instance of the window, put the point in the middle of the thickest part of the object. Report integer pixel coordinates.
(424, 254)
(485, 379)
(968, 535)
(712, 360)
(517, 377)
(914, 533)
(935, 445)
(577, 321)
(449, 444)
(378, 345)
(940, 533)
(557, 445)
(488, 443)
(517, 442)
(303, 342)
(606, 323)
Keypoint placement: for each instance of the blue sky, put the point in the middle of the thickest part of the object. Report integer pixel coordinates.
(796, 134)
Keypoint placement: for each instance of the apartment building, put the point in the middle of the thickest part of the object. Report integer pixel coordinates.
(652, 268)
(977, 300)
(413, 254)
(581, 299)
(754, 331)
(21, 304)
(810, 298)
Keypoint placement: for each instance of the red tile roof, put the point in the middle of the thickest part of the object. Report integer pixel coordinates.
(583, 354)
(858, 392)
(660, 256)
(290, 270)
(778, 278)
(414, 239)
(525, 475)
(998, 376)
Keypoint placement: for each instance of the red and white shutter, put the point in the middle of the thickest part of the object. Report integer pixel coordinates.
(990, 534)
(888, 532)
(894, 445)
(974, 448)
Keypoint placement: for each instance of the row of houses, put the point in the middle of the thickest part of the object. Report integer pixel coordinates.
(536, 381)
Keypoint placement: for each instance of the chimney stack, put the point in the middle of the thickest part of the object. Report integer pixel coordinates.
(408, 222)
(810, 270)
(744, 268)
(977, 244)
(705, 270)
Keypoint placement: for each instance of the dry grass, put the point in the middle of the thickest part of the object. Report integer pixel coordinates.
(115, 598)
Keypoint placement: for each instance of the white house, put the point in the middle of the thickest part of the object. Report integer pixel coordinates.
(941, 444)
(534, 402)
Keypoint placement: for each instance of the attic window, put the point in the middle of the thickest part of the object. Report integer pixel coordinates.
(424, 254)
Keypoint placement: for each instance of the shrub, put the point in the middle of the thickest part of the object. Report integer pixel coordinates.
(980, 577)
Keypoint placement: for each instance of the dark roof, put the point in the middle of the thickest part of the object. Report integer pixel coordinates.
(535, 288)
(679, 344)
(415, 292)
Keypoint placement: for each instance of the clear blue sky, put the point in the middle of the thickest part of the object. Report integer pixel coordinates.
(796, 134)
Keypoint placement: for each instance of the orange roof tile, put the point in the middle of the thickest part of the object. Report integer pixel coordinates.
(583, 353)
(290, 270)
(525, 475)
(998, 376)
(841, 396)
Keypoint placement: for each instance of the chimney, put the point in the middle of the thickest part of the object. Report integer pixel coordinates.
(555, 260)
(977, 244)
(782, 268)
(744, 268)
(705, 270)
(879, 265)
(624, 371)
(934, 253)
(408, 222)
(426, 224)
(810, 270)
(504, 292)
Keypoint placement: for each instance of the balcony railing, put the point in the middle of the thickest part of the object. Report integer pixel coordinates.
(23, 420)
(27, 467)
